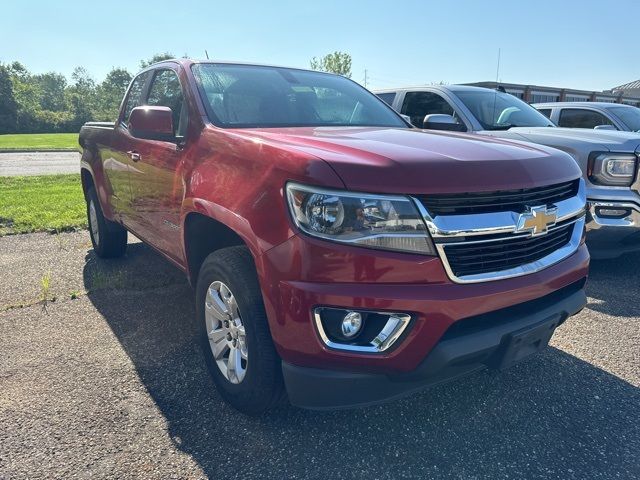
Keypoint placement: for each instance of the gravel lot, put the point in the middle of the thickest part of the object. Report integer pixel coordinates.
(38, 163)
(111, 385)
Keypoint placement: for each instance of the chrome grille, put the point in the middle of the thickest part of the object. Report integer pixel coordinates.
(477, 258)
(496, 240)
(504, 200)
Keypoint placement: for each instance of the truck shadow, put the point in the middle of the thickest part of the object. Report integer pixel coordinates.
(614, 284)
(552, 416)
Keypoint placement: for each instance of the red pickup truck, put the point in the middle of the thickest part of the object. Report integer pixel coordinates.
(340, 257)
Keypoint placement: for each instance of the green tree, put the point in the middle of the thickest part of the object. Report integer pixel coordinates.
(110, 93)
(116, 81)
(336, 62)
(18, 71)
(49, 102)
(51, 88)
(82, 80)
(158, 57)
(8, 105)
(81, 98)
(27, 96)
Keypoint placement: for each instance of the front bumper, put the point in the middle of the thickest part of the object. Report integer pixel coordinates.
(611, 237)
(302, 274)
(467, 346)
(628, 221)
(603, 197)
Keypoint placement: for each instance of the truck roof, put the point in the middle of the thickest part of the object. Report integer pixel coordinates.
(452, 88)
(188, 62)
(581, 104)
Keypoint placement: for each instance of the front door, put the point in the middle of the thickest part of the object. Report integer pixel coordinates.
(156, 178)
(417, 105)
(116, 162)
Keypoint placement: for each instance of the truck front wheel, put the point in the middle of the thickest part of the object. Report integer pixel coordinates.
(235, 335)
(108, 238)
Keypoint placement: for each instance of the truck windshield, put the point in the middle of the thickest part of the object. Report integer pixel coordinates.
(629, 116)
(248, 96)
(501, 111)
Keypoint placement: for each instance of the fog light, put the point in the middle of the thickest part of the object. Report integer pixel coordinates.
(351, 324)
(611, 212)
(364, 331)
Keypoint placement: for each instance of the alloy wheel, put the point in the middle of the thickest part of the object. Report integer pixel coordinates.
(226, 333)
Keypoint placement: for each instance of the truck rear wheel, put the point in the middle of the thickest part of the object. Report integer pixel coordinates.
(234, 332)
(108, 238)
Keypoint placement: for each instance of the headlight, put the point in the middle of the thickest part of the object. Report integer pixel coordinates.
(613, 169)
(375, 221)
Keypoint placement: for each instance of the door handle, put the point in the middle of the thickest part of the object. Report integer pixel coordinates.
(135, 156)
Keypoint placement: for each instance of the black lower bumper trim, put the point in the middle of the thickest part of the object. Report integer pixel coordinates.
(492, 346)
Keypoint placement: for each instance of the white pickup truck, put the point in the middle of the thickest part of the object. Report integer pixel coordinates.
(598, 115)
(608, 159)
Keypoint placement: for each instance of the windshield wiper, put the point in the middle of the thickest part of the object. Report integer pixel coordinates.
(502, 126)
(507, 126)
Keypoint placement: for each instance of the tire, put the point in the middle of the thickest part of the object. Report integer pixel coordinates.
(108, 238)
(256, 384)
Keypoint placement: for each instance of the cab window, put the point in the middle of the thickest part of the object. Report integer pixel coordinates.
(134, 97)
(580, 118)
(387, 98)
(545, 111)
(166, 91)
(417, 105)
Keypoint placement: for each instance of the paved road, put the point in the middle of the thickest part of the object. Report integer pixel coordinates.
(38, 163)
(112, 384)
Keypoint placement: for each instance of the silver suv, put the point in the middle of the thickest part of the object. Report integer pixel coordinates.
(608, 159)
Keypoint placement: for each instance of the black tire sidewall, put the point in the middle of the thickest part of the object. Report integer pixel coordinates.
(97, 245)
(112, 241)
(263, 380)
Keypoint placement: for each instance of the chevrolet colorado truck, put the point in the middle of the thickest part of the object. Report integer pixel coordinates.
(339, 256)
(608, 159)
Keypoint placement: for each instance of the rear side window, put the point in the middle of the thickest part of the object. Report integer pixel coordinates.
(387, 98)
(581, 118)
(419, 104)
(545, 111)
(165, 91)
(134, 98)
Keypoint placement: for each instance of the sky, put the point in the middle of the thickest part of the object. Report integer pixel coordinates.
(585, 44)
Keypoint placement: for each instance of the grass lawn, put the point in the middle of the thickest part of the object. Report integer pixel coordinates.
(45, 203)
(39, 141)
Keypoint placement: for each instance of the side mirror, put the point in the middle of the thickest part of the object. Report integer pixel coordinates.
(152, 123)
(440, 121)
(604, 127)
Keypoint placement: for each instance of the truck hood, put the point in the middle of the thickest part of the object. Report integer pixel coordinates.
(573, 138)
(408, 161)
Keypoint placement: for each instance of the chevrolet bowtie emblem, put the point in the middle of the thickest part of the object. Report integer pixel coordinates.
(537, 220)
